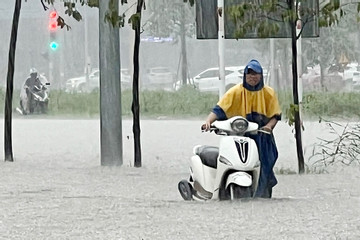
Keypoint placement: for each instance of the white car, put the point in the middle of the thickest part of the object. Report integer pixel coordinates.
(158, 78)
(352, 73)
(209, 80)
(126, 79)
(78, 84)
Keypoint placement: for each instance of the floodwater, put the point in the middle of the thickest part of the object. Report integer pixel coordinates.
(56, 188)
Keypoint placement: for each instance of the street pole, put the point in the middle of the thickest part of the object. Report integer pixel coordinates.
(272, 65)
(299, 61)
(111, 146)
(86, 46)
(221, 47)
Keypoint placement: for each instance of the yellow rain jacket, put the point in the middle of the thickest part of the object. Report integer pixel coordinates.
(257, 104)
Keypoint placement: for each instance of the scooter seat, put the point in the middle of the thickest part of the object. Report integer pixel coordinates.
(208, 155)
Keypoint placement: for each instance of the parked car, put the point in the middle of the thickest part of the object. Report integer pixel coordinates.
(126, 79)
(158, 78)
(332, 80)
(352, 73)
(78, 84)
(208, 80)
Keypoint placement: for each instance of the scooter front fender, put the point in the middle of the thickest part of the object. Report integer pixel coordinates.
(239, 178)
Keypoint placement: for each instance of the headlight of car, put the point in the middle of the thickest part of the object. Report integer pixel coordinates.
(239, 125)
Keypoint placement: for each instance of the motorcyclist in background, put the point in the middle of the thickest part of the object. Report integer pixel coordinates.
(31, 84)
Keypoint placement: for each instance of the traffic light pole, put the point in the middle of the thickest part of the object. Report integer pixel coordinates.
(221, 47)
(53, 46)
(86, 45)
(51, 58)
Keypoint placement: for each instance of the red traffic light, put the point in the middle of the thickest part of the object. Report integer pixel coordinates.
(52, 26)
(53, 20)
(53, 15)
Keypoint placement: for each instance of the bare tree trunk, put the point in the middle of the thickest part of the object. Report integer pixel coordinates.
(299, 148)
(110, 89)
(322, 77)
(135, 104)
(10, 85)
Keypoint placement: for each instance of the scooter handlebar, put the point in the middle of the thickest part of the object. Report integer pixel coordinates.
(216, 130)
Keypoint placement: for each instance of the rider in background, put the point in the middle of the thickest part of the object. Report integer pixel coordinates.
(33, 80)
(31, 84)
(257, 103)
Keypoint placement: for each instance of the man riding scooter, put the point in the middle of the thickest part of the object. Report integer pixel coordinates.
(31, 86)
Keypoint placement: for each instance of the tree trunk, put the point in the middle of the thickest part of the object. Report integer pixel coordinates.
(299, 148)
(322, 77)
(10, 85)
(110, 89)
(135, 104)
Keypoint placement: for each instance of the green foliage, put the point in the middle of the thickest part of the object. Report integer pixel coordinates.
(62, 103)
(71, 10)
(170, 18)
(191, 2)
(186, 102)
(253, 16)
(134, 20)
(264, 19)
(112, 16)
(290, 113)
(339, 105)
(344, 105)
(333, 11)
(329, 14)
(190, 102)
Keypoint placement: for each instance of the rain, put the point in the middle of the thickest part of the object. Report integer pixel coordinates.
(57, 186)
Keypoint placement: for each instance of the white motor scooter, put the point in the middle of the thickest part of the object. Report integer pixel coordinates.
(230, 171)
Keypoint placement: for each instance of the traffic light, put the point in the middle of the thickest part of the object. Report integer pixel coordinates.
(53, 16)
(54, 45)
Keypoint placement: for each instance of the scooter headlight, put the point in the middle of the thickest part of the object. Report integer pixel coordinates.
(239, 125)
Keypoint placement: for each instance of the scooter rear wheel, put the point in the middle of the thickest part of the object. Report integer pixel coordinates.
(185, 190)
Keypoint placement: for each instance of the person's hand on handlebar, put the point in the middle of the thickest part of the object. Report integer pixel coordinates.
(206, 126)
(266, 129)
(209, 120)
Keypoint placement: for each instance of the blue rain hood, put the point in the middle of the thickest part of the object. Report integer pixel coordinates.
(255, 66)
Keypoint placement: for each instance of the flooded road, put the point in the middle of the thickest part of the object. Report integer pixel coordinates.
(56, 189)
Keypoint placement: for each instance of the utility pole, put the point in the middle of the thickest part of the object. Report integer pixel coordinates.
(271, 80)
(86, 47)
(221, 46)
(111, 148)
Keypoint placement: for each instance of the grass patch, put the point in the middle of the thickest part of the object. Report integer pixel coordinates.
(336, 105)
(187, 102)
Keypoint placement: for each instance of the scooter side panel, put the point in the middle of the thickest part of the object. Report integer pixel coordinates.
(202, 174)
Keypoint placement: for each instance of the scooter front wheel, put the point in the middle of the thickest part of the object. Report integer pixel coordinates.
(237, 192)
(185, 190)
